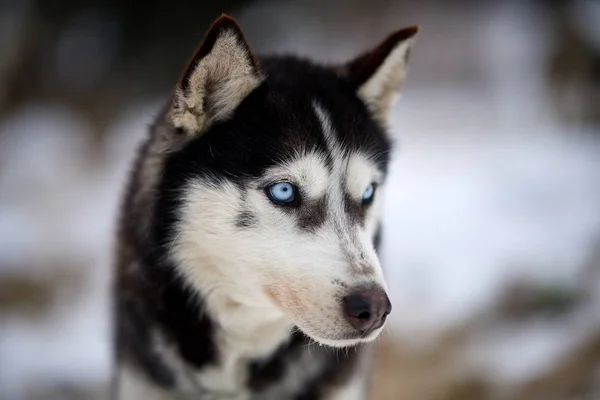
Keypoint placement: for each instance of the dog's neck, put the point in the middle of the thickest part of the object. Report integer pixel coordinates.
(250, 331)
(243, 333)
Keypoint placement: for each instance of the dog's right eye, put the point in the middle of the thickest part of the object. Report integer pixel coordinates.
(283, 194)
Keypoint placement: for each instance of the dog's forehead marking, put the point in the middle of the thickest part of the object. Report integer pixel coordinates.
(353, 169)
(336, 189)
(333, 145)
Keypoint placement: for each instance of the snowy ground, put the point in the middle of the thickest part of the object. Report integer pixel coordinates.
(486, 189)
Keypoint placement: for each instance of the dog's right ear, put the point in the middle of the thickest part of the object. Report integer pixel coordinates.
(221, 73)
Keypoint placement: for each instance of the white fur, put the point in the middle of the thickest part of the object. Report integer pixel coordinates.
(309, 170)
(355, 390)
(132, 387)
(360, 174)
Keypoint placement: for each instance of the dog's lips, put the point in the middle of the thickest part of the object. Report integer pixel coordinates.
(348, 342)
(341, 343)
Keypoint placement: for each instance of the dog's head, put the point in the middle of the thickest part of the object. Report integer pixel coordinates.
(272, 194)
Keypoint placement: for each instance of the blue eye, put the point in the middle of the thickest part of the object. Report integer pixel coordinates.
(368, 194)
(282, 193)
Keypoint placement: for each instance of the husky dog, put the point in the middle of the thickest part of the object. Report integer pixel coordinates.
(247, 242)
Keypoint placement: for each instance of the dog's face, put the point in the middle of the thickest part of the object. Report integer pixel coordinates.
(273, 196)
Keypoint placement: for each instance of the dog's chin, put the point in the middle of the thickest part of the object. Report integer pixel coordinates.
(342, 343)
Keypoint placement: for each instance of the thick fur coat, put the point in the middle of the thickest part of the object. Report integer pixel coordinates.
(246, 260)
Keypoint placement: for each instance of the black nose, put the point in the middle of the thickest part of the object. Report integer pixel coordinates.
(367, 310)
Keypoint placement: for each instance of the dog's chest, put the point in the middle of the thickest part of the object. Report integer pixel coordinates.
(253, 352)
(285, 372)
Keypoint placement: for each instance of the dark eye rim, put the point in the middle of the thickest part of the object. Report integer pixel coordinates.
(368, 201)
(294, 203)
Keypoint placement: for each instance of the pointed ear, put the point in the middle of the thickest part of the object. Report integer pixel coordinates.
(221, 73)
(378, 74)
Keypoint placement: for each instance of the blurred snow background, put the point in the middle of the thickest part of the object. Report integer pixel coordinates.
(492, 229)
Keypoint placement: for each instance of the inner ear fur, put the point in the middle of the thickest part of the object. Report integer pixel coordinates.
(220, 74)
(379, 73)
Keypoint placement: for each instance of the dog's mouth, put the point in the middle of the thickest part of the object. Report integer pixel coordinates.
(347, 337)
(351, 341)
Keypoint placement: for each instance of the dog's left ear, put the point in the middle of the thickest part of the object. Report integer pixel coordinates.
(221, 73)
(378, 74)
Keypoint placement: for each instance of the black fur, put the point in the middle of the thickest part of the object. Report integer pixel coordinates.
(246, 220)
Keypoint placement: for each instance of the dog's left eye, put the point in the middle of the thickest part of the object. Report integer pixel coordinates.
(282, 193)
(368, 194)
